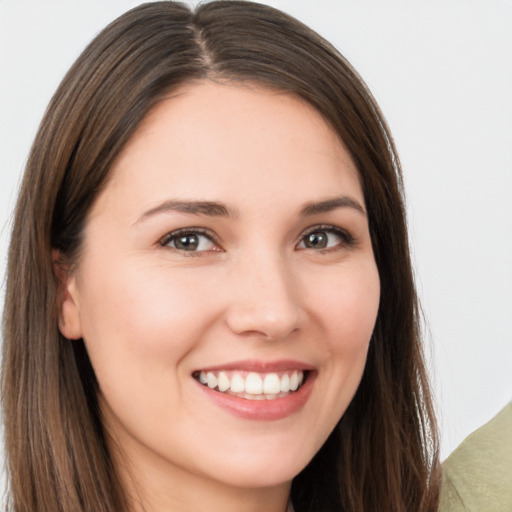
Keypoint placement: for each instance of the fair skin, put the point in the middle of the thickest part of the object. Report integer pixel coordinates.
(271, 279)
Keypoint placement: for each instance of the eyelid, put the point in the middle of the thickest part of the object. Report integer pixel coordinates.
(164, 241)
(348, 239)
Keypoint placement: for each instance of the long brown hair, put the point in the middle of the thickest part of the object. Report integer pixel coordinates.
(383, 453)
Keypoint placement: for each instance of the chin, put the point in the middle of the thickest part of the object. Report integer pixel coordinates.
(258, 472)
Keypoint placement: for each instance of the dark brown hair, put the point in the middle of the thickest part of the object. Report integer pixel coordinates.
(383, 453)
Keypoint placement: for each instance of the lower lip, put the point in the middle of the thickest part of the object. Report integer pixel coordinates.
(263, 410)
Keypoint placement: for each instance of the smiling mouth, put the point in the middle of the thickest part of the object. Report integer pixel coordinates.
(253, 385)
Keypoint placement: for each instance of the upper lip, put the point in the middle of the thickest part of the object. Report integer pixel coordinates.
(251, 365)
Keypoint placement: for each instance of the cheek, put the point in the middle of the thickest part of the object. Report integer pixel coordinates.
(138, 329)
(349, 303)
(132, 317)
(349, 307)
(356, 321)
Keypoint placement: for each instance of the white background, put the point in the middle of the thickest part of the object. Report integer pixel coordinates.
(442, 73)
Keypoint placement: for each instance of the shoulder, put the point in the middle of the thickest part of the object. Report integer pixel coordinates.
(478, 474)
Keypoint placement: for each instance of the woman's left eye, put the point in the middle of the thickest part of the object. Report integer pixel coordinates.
(325, 238)
(189, 241)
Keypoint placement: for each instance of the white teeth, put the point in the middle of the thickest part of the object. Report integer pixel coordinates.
(251, 396)
(294, 382)
(254, 386)
(211, 380)
(285, 383)
(271, 384)
(223, 382)
(237, 383)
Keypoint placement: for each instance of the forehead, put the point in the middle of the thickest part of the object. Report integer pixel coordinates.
(248, 138)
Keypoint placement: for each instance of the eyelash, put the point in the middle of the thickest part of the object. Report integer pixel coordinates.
(175, 235)
(347, 240)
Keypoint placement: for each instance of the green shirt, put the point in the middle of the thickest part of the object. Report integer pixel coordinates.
(477, 476)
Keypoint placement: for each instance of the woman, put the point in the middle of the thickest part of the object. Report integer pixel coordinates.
(182, 331)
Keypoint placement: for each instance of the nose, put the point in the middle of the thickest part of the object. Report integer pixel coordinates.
(265, 299)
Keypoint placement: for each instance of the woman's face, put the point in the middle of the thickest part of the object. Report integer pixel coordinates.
(227, 262)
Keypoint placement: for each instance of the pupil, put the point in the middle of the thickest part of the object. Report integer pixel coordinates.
(316, 240)
(187, 242)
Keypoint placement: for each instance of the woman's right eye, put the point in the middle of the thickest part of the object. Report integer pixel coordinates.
(189, 241)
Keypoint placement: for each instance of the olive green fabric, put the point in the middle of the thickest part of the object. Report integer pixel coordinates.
(477, 476)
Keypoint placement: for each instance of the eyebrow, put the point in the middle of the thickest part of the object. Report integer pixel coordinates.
(209, 208)
(328, 205)
(217, 209)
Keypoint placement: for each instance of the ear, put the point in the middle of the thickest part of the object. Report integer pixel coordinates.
(70, 324)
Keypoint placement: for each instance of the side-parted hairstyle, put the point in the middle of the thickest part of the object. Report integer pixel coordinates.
(382, 456)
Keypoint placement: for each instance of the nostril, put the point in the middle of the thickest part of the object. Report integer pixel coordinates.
(268, 325)
(265, 301)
